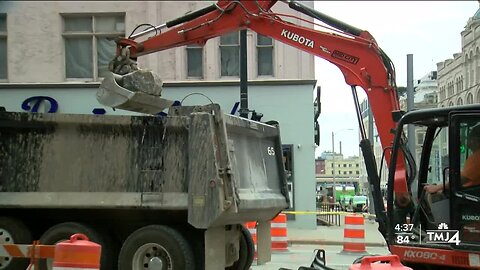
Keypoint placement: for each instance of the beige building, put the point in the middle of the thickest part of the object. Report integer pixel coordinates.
(339, 169)
(459, 77)
(56, 41)
(343, 168)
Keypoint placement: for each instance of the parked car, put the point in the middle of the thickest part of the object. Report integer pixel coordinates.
(359, 203)
(346, 203)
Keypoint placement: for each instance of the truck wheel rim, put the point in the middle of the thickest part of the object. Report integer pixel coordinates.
(152, 256)
(5, 238)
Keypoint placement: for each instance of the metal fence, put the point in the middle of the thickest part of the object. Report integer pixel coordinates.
(331, 215)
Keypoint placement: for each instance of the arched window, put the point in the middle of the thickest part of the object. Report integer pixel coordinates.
(459, 101)
(469, 98)
(450, 104)
(477, 63)
(478, 95)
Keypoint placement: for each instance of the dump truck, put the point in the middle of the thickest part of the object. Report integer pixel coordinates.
(156, 192)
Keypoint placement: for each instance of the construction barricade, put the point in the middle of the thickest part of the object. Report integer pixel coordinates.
(75, 254)
(372, 263)
(279, 233)
(354, 234)
(252, 228)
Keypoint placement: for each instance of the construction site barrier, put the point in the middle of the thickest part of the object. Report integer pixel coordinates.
(279, 233)
(252, 228)
(75, 254)
(342, 213)
(370, 262)
(329, 214)
(354, 234)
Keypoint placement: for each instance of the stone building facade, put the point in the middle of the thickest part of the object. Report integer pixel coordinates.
(459, 77)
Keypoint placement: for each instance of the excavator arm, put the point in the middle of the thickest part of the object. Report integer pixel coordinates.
(354, 51)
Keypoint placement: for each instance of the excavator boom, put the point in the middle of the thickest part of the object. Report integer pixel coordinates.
(354, 51)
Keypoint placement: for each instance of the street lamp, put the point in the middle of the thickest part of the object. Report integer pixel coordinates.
(333, 162)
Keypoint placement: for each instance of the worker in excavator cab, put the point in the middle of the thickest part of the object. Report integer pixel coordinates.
(470, 175)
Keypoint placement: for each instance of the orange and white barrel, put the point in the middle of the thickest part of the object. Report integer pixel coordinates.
(77, 254)
(252, 228)
(354, 234)
(279, 233)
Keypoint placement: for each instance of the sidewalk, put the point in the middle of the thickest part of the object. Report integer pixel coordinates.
(333, 235)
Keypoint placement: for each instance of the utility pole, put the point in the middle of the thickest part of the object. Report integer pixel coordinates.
(243, 75)
(334, 190)
(410, 106)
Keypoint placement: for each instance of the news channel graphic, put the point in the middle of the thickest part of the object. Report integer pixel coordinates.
(404, 234)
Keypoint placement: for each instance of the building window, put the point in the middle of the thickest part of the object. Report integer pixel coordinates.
(194, 61)
(88, 44)
(264, 55)
(477, 73)
(230, 54)
(420, 137)
(469, 98)
(3, 46)
(450, 89)
(459, 101)
(466, 79)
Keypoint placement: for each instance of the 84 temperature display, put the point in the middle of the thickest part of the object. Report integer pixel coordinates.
(403, 233)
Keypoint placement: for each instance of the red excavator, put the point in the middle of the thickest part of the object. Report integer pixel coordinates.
(443, 231)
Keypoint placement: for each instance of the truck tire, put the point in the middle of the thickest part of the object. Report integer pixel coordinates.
(246, 252)
(63, 231)
(14, 231)
(156, 247)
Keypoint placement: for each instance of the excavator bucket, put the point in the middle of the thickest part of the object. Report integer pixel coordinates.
(112, 94)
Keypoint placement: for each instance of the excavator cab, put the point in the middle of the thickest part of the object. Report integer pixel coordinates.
(447, 154)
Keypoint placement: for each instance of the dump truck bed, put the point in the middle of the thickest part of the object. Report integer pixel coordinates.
(220, 168)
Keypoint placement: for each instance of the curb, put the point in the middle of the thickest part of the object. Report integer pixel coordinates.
(329, 242)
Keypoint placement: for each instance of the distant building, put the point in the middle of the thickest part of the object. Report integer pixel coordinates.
(459, 77)
(338, 171)
(372, 135)
(319, 166)
(459, 81)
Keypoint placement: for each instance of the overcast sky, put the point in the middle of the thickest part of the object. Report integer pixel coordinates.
(430, 30)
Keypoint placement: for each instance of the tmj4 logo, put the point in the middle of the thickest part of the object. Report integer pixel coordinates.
(443, 235)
